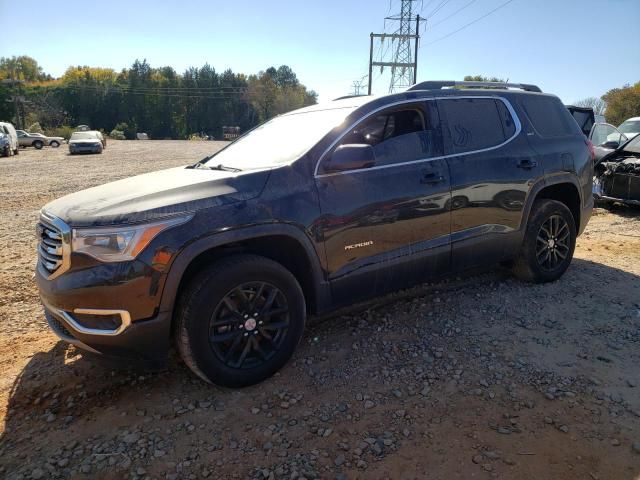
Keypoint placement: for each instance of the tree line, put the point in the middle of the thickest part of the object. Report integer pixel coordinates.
(158, 101)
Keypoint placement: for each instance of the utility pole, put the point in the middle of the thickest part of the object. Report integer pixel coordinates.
(404, 62)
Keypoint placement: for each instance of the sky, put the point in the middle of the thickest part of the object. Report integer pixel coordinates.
(572, 48)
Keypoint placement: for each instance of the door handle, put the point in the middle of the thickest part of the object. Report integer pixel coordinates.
(527, 164)
(431, 178)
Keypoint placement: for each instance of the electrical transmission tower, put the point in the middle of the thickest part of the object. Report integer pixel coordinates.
(357, 85)
(404, 62)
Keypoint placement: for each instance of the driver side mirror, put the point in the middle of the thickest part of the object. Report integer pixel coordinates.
(351, 157)
(613, 144)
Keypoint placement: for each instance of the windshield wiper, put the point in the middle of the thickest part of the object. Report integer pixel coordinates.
(223, 168)
(202, 164)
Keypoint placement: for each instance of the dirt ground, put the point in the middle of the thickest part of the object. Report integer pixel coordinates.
(474, 377)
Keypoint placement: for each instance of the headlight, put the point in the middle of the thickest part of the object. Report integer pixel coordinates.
(119, 244)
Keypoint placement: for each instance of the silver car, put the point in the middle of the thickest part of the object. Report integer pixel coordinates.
(37, 140)
(85, 142)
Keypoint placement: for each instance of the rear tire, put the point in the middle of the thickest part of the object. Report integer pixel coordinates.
(38, 144)
(549, 243)
(240, 320)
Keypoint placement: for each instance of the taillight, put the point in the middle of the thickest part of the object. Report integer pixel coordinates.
(592, 150)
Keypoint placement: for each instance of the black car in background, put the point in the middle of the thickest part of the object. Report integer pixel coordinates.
(315, 209)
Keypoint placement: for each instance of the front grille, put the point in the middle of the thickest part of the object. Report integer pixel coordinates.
(53, 245)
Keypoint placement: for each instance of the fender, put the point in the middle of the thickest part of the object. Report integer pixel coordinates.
(547, 181)
(186, 256)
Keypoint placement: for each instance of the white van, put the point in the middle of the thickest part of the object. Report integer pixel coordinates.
(9, 139)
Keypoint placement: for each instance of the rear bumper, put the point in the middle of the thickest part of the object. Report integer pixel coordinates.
(585, 215)
(145, 342)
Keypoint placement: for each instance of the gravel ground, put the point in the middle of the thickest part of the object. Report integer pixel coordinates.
(473, 377)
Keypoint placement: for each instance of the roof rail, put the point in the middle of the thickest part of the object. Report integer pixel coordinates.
(440, 84)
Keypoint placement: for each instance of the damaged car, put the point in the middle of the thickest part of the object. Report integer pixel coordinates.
(617, 175)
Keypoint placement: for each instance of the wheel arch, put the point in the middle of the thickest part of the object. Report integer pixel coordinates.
(285, 244)
(562, 188)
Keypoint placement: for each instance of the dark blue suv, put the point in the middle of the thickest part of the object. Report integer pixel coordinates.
(315, 209)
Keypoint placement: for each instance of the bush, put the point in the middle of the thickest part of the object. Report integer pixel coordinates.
(128, 130)
(65, 132)
(117, 134)
(35, 128)
(197, 138)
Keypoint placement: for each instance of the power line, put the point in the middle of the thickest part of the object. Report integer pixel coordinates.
(212, 96)
(438, 8)
(454, 13)
(470, 23)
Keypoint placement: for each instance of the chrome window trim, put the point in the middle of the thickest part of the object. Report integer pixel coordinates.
(506, 102)
(65, 244)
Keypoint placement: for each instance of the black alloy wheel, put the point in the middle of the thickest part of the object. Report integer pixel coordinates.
(249, 325)
(548, 244)
(239, 320)
(553, 242)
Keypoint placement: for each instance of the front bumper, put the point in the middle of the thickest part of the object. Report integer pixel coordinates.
(85, 149)
(110, 309)
(145, 342)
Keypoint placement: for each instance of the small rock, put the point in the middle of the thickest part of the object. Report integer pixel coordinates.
(477, 459)
(615, 442)
(369, 404)
(636, 447)
(340, 459)
(564, 429)
(131, 438)
(37, 473)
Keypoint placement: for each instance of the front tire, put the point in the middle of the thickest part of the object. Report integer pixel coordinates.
(54, 144)
(549, 243)
(240, 320)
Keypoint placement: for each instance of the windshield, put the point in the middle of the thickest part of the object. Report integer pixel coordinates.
(83, 136)
(280, 140)
(633, 145)
(630, 126)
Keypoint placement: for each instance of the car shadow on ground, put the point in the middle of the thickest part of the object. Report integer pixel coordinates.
(60, 387)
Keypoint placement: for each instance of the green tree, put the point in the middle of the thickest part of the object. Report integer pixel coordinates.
(480, 78)
(160, 101)
(622, 103)
(21, 68)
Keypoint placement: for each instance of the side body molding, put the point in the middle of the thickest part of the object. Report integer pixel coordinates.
(178, 267)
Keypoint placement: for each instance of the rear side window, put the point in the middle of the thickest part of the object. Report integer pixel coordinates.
(477, 123)
(549, 116)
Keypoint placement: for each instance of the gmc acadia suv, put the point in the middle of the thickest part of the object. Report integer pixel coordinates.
(315, 209)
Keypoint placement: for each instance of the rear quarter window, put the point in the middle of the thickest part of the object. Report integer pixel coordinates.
(549, 116)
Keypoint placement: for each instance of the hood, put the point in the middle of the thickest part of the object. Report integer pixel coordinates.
(156, 195)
